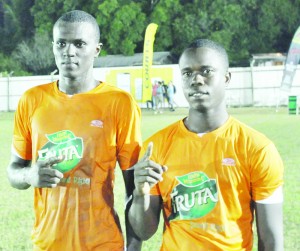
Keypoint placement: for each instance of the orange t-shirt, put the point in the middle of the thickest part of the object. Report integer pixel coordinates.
(210, 183)
(93, 130)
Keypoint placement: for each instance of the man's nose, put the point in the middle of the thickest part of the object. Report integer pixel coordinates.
(197, 79)
(70, 50)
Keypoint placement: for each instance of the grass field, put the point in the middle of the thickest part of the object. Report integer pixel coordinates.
(16, 213)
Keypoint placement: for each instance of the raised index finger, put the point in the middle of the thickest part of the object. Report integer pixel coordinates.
(146, 156)
(148, 152)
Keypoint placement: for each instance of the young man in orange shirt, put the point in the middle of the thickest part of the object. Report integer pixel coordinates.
(68, 136)
(208, 173)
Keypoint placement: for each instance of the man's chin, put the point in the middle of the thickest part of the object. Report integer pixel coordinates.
(69, 74)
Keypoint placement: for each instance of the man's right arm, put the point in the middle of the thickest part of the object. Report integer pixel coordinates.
(17, 172)
(144, 214)
(22, 175)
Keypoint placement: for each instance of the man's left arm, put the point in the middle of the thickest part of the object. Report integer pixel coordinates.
(129, 145)
(133, 243)
(269, 222)
(267, 194)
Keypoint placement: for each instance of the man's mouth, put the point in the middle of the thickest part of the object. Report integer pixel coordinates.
(69, 63)
(197, 94)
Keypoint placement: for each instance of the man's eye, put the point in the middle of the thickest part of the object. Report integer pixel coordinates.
(186, 74)
(207, 72)
(79, 44)
(60, 44)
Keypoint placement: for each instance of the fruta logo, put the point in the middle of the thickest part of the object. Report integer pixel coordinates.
(194, 197)
(63, 143)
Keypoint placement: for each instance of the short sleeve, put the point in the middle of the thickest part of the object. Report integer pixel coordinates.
(266, 172)
(22, 144)
(128, 132)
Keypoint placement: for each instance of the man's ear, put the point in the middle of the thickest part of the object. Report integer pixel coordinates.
(227, 78)
(98, 49)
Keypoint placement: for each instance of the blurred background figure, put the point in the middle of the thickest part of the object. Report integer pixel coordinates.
(171, 90)
(158, 98)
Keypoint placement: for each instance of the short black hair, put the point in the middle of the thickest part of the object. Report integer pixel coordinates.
(199, 43)
(80, 16)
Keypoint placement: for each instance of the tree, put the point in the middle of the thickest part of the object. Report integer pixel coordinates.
(163, 14)
(217, 20)
(122, 26)
(17, 23)
(244, 27)
(271, 24)
(35, 56)
(276, 20)
(53, 9)
(8, 64)
(230, 28)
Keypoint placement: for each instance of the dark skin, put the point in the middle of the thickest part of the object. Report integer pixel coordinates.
(22, 174)
(74, 48)
(204, 79)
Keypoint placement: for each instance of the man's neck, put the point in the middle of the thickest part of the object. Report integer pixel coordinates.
(75, 86)
(203, 122)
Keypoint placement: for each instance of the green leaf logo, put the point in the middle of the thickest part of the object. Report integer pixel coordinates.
(194, 197)
(192, 179)
(63, 143)
(59, 137)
